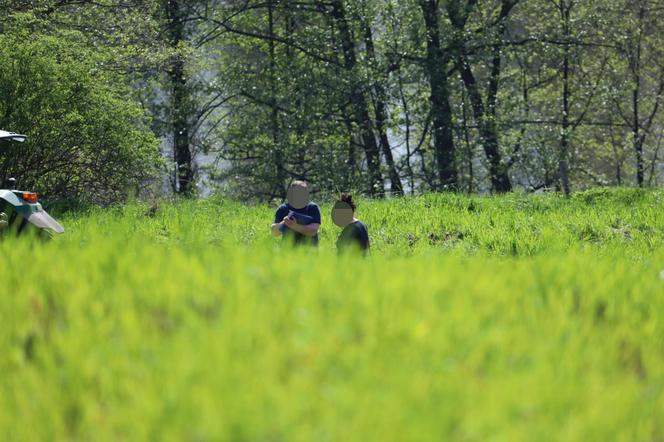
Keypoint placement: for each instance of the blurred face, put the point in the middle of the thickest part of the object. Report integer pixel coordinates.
(298, 196)
(342, 214)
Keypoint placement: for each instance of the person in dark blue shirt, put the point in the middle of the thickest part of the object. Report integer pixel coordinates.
(355, 235)
(299, 219)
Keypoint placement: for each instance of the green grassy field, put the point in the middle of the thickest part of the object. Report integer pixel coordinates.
(511, 318)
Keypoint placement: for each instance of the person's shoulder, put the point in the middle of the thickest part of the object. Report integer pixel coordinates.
(361, 225)
(283, 206)
(312, 206)
(350, 227)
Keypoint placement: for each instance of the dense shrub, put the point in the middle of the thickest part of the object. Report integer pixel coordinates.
(88, 139)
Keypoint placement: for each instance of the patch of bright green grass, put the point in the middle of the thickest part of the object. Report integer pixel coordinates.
(509, 318)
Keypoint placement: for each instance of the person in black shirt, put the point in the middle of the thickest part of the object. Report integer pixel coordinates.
(355, 234)
(299, 219)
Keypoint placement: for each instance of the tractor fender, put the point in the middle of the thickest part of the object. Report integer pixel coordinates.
(12, 199)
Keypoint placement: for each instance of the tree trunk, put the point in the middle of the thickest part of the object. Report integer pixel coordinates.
(466, 138)
(486, 116)
(563, 166)
(180, 103)
(349, 178)
(441, 111)
(638, 145)
(359, 102)
(488, 133)
(406, 113)
(653, 163)
(274, 112)
(380, 109)
(502, 179)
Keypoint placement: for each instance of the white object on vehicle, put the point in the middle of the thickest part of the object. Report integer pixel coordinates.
(11, 136)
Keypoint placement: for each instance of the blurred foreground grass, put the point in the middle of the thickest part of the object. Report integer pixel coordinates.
(510, 318)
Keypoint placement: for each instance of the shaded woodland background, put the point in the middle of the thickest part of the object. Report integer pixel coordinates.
(375, 96)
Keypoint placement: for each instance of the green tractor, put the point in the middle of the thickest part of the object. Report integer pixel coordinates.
(20, 212)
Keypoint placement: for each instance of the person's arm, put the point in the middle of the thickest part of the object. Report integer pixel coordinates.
(276, 228)
(306, 230)
(303, 219)
(278, 221)
(310, 229)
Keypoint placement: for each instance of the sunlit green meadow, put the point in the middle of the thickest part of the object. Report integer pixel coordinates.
(508, 318)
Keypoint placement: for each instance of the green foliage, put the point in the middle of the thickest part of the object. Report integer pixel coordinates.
(511, 318)
(287, 108)
(87, 139)
(525, 92)
(296, 70)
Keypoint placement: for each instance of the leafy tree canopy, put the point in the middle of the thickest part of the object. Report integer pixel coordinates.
(88, 139)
